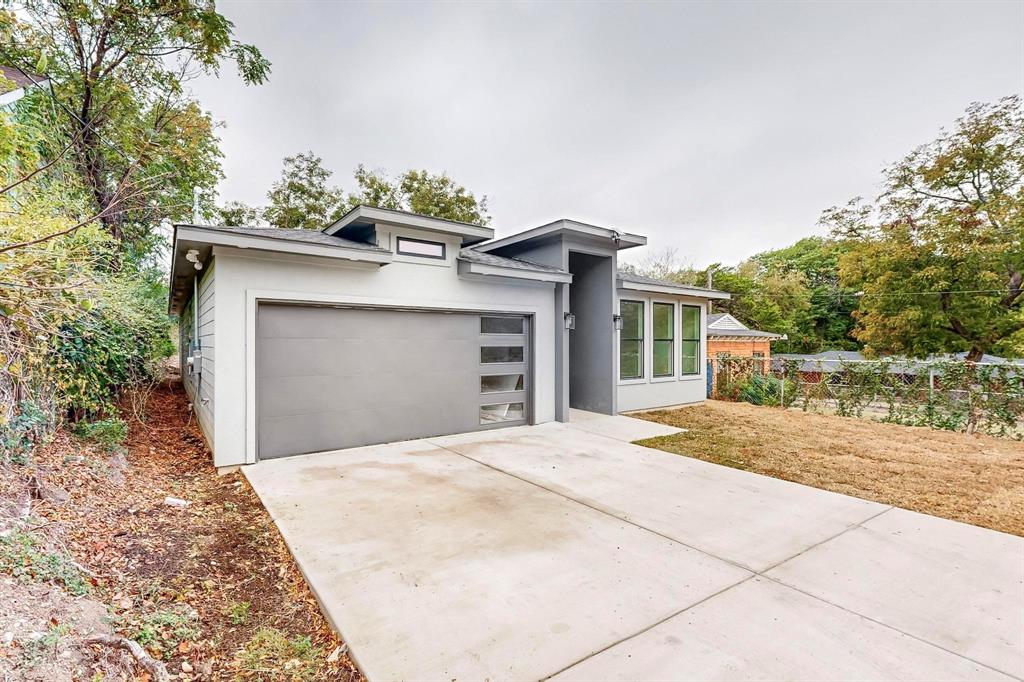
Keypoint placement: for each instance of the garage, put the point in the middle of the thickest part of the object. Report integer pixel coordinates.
(332, 377)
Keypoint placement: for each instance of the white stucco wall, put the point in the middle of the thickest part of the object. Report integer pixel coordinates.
(245, 277)
(648, 391)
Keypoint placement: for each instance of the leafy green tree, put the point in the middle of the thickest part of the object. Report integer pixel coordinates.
(420, 191)
(303, 197)
(118, 70)
(940, 255)
(238, 214)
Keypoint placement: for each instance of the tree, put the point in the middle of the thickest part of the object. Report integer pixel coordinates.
(420, 191)
(238, 214)
(118, 69)
(303, 197)
(939, 255)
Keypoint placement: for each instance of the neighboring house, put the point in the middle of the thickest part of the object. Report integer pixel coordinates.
(387, 326)
(14, 82)
(728, 337)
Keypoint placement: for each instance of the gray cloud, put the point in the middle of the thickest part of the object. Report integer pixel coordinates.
(719, 129)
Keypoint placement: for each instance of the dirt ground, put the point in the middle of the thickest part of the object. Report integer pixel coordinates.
(970, 478)
(209, 588)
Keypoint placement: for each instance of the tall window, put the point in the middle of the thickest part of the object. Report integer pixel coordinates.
(690, 341)
(664, 338)
(631, 340)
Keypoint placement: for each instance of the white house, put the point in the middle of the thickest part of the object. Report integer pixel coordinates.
(387, 326)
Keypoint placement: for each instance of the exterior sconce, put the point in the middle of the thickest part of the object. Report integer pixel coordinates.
(570, 321)
(617, 319)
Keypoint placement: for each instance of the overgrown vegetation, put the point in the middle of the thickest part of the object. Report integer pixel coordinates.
(271, 649)
(941, 394)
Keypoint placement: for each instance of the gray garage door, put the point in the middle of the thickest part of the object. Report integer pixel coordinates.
(330, 378)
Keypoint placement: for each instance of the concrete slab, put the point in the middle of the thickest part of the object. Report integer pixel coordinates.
(760, 630)
(957, 586)
(619, 427)
(753, 521)
(433, 566)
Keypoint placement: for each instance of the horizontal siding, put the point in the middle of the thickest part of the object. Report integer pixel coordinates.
(200, 386)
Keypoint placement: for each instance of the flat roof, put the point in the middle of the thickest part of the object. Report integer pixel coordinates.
(627, 280)
(623, 240)
(371, 215)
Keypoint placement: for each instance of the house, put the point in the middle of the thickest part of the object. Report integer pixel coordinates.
(387, 326)
(728, 337)
(14, 82)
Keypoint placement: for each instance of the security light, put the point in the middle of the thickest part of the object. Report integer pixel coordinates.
(617, 319)
(570, 321)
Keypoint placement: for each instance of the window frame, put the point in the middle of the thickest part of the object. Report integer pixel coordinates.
(398, 248)
(641, 351)
(683, 339)
(672, 340)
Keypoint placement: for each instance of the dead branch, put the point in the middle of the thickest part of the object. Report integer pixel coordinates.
(153, 666)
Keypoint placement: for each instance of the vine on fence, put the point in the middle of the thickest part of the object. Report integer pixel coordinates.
(942, 394)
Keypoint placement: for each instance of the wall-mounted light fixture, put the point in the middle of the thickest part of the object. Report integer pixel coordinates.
(570, 321)
(617, 320)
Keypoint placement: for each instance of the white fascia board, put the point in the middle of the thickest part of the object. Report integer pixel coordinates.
(383, 216)
(470, 268)
(676, 290)
(282, 246)
(626, 239)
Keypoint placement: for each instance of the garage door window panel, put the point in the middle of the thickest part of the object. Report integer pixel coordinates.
(501, 383)
(502, 412)
(501, 354)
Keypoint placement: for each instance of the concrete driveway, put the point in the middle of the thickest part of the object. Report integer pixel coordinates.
(564, 551)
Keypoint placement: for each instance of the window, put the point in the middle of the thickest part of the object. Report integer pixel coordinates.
(501, 383)
(419, 247)
(758, 362)
(664, 338)
(631, 340)
(492, 354)
(503, 412)
(501, 325)
(690, 341)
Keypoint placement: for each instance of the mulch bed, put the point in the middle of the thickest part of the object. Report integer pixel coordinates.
(213, 556)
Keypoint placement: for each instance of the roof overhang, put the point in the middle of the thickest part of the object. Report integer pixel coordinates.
(486, 269)
(763, 336)
(678, 290)
(192, 237)
(568, 228)
(370, 215)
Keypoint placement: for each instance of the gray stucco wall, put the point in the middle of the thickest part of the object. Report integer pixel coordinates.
(592, 343)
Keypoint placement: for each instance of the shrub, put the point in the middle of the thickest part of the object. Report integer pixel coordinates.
(27, 427)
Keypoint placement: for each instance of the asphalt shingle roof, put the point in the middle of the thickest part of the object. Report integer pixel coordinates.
(474, 256)
(293, 235)
(20, 78)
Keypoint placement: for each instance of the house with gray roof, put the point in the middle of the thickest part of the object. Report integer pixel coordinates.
(387, 326)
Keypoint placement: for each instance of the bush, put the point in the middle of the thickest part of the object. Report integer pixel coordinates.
(27, 427)
(109, 433)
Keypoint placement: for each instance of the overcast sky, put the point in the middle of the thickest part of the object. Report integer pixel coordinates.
(721, 129)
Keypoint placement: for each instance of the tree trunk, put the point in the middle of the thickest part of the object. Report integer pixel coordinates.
(975, 354)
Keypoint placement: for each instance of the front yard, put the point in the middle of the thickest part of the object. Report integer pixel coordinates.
(970, 478)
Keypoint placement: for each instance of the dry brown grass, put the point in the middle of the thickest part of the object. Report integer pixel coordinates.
(975, 479)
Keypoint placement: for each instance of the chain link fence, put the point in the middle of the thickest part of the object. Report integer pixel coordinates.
(943, 394)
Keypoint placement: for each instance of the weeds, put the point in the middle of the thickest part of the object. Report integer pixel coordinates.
(271, 650)
(162, 631)
(109, 433)
(23, 555)
(238, 613)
